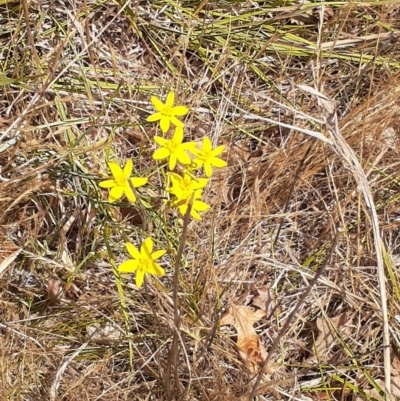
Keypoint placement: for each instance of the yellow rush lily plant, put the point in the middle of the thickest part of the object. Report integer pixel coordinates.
(185, 188)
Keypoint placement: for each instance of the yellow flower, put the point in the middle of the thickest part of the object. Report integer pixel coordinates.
(143, 262)
(174, 149)
(120, 183)
(182, 187)
(166, 113)
(207, 156)
(197, 205)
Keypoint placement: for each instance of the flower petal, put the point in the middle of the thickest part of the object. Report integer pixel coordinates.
(183, 157)
(197, 194)
(176, 182)
(170, 99)
(115, 194)
(178, 135)
(200, 206)
(180, 111)
(218, 150)
(132, 251)
(208, 169)
(129, 194)
(128, 168)
(139, 278)
(161, 141)
(139, 181)
(198, 163)
(176, 122)
(176, 190)
(172, 161)
(128, 266)
(158, 270)
(217, 162)
(200, 183)
(149, 267)
(207, 145)
(107, 184)
(154, 117)
(147, 248)
(157, 254)
(189, 145)
(175, 178)
(195, 215)
(161, 153)
(183, 209)
(115, 169)
(165, 124)
(157, 103)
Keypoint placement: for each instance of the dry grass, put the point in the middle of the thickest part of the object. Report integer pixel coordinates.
(75, 84)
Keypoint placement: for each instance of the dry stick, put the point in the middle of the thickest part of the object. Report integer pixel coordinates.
(289, 198)
(174, 355)
(282, 332)
(342, 148)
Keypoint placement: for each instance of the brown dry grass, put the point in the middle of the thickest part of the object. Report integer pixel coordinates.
(75, 89)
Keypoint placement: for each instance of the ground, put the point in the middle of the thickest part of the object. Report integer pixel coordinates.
(287, 288)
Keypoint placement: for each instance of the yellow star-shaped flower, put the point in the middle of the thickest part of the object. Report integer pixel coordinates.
(119, 184)
(197, 204)
(182, 187)
(166, 113)
(143, 262)
(207, 156)
(174, 149)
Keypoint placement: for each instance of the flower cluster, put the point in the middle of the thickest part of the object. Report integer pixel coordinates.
(185, 160)
(184, 186)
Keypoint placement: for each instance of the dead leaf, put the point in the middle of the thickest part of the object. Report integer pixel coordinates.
(103, 334)
(327, 335)
(250, 347)
(265, 299)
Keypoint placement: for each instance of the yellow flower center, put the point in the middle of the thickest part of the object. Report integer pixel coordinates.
(167, 111)
(121, 180)
(146, 264)
(203, 155)
(172, 146)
